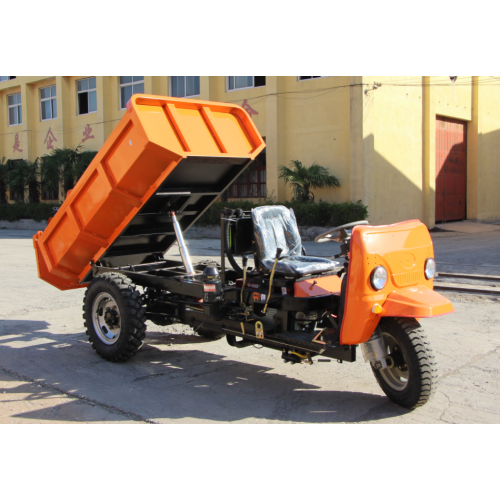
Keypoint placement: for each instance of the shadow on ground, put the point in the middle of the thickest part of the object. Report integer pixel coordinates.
(170, 379)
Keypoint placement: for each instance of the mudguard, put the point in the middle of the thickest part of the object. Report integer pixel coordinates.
(402, 249)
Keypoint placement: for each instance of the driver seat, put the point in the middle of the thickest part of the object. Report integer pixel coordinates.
(276, 227)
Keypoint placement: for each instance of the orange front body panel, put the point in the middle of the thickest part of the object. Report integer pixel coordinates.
(402, 249)
(315, 287)
(152, 138)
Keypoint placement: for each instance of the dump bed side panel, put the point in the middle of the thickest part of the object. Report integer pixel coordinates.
(165, 154)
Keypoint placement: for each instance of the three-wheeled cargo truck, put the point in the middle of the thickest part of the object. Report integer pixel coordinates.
(165, 163)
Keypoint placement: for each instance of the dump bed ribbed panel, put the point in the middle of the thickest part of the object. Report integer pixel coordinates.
(165, 154)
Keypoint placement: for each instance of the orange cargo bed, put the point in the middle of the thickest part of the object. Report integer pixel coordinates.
(166, 154)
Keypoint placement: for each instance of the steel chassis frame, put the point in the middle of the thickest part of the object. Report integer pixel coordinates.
(182, 304)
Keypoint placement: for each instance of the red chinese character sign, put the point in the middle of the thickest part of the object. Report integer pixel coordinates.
(49, 139)
(86, 133)
(17, 144)
(248, 108)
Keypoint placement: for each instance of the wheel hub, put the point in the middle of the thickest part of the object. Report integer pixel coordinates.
(396, 374)
(106, 318)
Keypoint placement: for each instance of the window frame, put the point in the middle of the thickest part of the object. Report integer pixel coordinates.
(50, 98)
(242, 88)
(311, 78)
(19, 104)
(131, 84)
(259, 165)
(85, 92)
(170, 87)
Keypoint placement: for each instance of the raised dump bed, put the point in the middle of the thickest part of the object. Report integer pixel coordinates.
(165, 155)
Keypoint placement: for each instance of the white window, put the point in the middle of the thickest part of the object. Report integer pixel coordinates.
(184, 86)
(308, 77)
(87, 97)
(15, 109)
(130, 85)
(48, 103)
(245, 82)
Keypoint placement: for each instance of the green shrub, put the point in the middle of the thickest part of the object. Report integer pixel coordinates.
(36, 211)
(322, 214)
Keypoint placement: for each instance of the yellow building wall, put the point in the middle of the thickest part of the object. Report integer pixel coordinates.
(484, 199)
(379, 142)
(8, 133)
(316, 128)
(393, 165)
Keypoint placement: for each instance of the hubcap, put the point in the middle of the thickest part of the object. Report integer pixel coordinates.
(396, 374)
(106, 318)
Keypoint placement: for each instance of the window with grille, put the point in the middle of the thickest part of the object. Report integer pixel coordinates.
(48, 103)
(184, 86)
(15, 109)
(252, 182)
(245, 82)
(130, 85)
(48, 194)
(87, 95)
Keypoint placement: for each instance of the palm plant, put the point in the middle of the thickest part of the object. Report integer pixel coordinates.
(4, 179)
(17, 173)
(302, 179)
(33, 180)
(64, 166)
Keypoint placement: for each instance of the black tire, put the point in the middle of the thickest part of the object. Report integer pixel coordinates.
(408, 347)
(116, 335)
(203, 332)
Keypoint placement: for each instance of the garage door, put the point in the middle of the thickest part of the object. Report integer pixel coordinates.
(451, 169)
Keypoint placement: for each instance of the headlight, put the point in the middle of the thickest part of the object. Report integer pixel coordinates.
(430, 268)
(378, 278)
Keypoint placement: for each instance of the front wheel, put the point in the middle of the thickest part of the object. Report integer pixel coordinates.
(411, 374)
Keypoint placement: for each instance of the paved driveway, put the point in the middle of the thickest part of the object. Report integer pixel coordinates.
(49, 373)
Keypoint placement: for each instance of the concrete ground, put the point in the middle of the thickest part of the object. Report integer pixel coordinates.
(49, 373)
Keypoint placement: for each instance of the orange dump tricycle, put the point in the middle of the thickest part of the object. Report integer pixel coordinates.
(165, 163)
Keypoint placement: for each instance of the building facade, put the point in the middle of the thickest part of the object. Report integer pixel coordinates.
(407, 147)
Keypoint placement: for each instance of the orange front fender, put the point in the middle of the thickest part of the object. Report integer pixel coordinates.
(416, 302)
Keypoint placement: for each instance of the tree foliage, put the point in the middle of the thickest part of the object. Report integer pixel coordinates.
(302, 179)
(24, 174)
(63, 167)
(321, 214)
(4, 179)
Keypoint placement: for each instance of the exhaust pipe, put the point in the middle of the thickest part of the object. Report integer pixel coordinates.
(186, 259)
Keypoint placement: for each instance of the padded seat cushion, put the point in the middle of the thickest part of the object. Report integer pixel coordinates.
(276, 227)
(300, 265)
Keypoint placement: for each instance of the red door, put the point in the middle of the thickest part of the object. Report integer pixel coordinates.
(451, 169)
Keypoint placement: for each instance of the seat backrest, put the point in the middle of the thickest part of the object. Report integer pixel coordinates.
(276, 227)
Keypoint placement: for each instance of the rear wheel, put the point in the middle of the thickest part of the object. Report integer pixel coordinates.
(411, 376)
(114, 317)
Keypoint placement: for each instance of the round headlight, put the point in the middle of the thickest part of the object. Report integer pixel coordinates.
(430, 268)
(379, 277)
